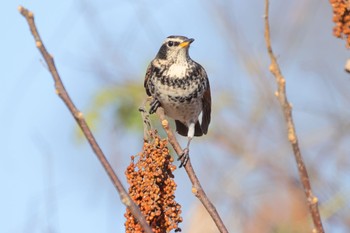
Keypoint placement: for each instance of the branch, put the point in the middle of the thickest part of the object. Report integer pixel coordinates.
(78, 116)
(292, 137)
(196, 186)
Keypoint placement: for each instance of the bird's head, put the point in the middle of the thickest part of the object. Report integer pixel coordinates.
(175, 48)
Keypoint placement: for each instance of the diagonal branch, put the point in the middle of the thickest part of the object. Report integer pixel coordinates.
(292, 137)
(196, 186)
(78, 116)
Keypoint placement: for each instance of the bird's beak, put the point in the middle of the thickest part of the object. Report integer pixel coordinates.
(186, 43)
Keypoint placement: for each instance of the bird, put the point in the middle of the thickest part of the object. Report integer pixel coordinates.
(181, 87)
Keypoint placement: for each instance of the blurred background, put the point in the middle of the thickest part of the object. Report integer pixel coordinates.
(51, 181)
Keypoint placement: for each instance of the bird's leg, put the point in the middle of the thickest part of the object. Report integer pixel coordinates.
(147, 126)
(154, 105)
(185, 153)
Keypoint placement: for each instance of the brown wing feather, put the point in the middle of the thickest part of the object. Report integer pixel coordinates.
(206, 101)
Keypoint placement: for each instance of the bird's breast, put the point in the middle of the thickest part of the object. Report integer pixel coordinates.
(177, 70)
(180, 92)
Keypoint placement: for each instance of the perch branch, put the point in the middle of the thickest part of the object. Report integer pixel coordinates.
(196, 186)
(292, 137)
(78, 116)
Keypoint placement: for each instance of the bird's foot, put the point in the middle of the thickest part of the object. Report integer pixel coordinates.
(184, 157)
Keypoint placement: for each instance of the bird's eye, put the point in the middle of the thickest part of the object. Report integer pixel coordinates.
(170, 43)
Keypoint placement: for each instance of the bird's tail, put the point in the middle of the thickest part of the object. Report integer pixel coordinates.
(182, 129)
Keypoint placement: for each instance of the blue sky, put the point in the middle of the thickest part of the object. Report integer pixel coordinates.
(49, 178)
(38, 135)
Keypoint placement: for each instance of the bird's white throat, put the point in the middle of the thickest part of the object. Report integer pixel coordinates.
(177, 70)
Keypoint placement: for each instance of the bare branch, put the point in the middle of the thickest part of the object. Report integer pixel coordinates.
(292, 137)
(196, 186)
(62, 93)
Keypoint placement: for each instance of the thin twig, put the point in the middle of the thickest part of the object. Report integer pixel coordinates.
(62, 93)
(196, 186)
(292, 137)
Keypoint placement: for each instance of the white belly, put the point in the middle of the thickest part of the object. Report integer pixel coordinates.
(184, 112)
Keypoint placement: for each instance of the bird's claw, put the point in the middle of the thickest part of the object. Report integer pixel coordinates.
(184, 157)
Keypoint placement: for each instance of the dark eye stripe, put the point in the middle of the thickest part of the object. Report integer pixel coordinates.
(173, 43)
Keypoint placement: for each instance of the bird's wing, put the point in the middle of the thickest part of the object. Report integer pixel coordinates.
(206, 102)
(147, 78)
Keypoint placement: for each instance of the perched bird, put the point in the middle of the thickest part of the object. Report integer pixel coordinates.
(181, 87)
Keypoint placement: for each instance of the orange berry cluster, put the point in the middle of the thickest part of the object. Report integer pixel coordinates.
(152, 188)
(341, 18)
